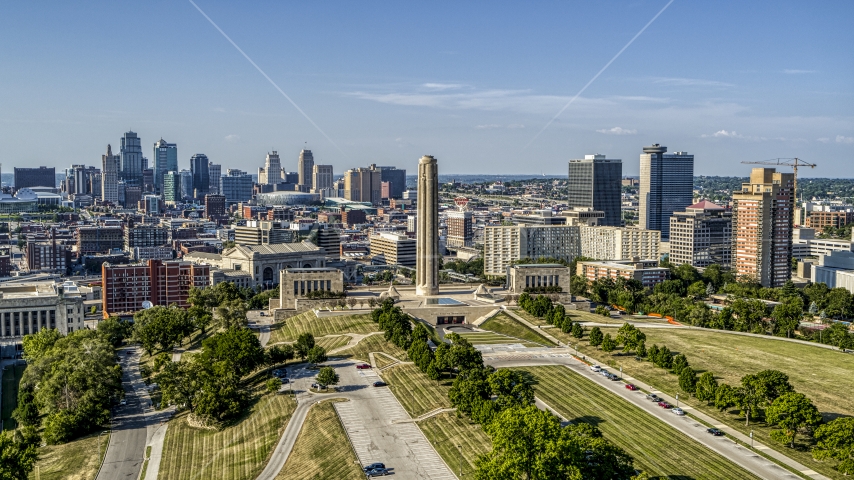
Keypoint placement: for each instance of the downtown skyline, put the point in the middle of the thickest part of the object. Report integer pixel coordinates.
(473, 86)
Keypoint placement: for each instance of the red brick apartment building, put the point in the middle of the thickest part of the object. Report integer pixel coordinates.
(125, 287)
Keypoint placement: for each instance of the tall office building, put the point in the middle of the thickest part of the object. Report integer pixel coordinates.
(362, 185)
(165, 160)
(396, 178)
(201, 176)
(763, 214)
(305, 169)
(35, 177)
(110, 176)
(594, 182)
(236, 186)
(666, 186)
(172, 187)
(460, 233)
(131, 152)
(321, 178)
(272, 171)
(187, 185)
(214, 172)
(701, 236)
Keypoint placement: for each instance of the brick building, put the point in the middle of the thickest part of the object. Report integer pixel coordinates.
(125, 287)
(99, 239)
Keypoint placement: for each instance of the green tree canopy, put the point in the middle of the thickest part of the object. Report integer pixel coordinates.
(792, 412)
(327, 376)
(835, 440)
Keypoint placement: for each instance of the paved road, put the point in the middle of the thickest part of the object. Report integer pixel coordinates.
(744, 457)
(125, 452)
(369, 418)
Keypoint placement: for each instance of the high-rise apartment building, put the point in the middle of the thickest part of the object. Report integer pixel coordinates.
(131, 153)
(236, 186)
(214, 205)
(126, 287)
(701, 236)
(666, 186)
(110, 176)
(91, 240)
(145, 236)
(322, 177)
(272, 171)
(503, 245)
(35, 177)
(619, 243)
(172, 187)
(165, 160)
(305, 169)
(201, 175)
(594, 182)
(762, 227)
(362, 185)
(187, 186)
(460, 233)
(214, 171)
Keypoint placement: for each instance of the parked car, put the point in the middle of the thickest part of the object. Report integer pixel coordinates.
(653, 397)
(123, 402)
(678, 411)
(278, 373)
(377, 472)
(604, 372)
(362, 366)
(631, 387)
(379, 384)
(614, 376)
(715, 432)
(285, 380)
(595, 368)
(664, 404)
(315, 386)
(374, 465)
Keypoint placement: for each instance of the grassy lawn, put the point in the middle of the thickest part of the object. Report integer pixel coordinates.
(445, 431)
(322, 451)
(417, 393)
(373, 343)
(307, 322)
(503, 323)
(489, 338)
(11, 378)
(332, 342)
(236, 452)
(382, 360)
(75, 460)
(657, 448)
(574, 315)
(822, 375)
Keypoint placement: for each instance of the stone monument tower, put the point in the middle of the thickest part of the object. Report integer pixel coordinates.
(427, 230)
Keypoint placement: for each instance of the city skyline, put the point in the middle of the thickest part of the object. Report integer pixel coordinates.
(737, 86)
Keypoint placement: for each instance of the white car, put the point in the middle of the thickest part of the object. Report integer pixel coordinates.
(678, 411)
(595, 368)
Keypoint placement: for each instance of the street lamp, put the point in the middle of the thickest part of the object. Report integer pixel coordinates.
(751, 439)
(460, 447)
(621, 373)
(677, 400)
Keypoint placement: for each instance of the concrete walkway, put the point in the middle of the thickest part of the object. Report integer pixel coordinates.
(530, 325)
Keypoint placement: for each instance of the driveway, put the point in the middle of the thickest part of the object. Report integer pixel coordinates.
(724, 446)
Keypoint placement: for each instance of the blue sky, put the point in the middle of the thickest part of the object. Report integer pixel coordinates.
(469, 82)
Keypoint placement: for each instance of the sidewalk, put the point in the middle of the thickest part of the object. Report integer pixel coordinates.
(537, 329)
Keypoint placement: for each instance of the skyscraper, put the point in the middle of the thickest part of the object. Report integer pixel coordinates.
(131, 152)
(165, 160)
(236, 186)
(305, 168)
(701, 236)
(171, 187)
(35, 177)
(362, 185)
(594, 182)
(321, 177)
(110, 176)
(427, 234)
(272, 171)
(201, 175)
(666, 186)
(214, 172)
(187, 186)
(763, 213)
(396, 177)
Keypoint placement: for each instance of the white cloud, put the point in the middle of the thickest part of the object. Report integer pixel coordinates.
(823, 140)
(689, 82)
(618, 131)
(488, 126)
(844, 139)
(442, 86)
(797, 72)
(232, 138)
(723, 133)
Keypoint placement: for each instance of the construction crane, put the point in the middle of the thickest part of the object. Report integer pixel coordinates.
(791, 162)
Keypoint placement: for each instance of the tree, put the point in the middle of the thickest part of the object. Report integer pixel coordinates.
(641, 350)
(630, 337)
(595, 337)
(38, 344)
(577, 331)
(232, 313)
(161, 328)
(749, 397)
(27, 413)
(18, 453)
(792, 412)
(813, 310)
(710, 289)
(279, 354)
(238, 350)
(327, 376)
(679, 363)
(608, 343)
(773, 384)
(787, 315)
(273, 385)
(316, 354)
(697, 289)
(706, 387)
(687, 379)
(511, 388)
(725, 397)
(304, 343)
(469, 390)
(115, 330)
(835, 440)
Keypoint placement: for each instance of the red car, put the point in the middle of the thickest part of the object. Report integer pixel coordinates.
(631, 387)
(664, 405)
(362, 366)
